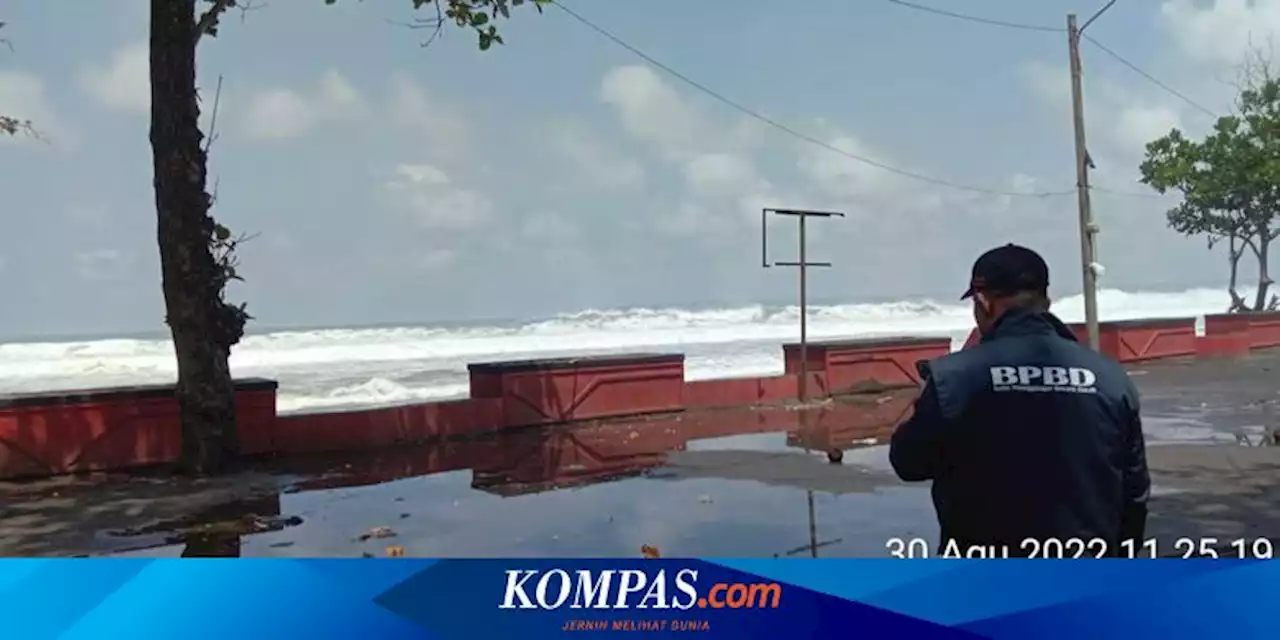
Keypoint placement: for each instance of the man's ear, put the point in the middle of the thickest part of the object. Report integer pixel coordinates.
(984, 303)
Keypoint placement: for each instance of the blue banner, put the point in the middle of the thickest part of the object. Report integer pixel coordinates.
(511, 598)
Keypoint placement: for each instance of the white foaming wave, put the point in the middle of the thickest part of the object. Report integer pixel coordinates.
(347, 367)
(373, 392)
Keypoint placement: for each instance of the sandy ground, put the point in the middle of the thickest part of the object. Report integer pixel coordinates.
(745, 495)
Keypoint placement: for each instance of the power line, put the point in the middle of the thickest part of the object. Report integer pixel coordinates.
(980, 20)
(1128, 194)
(790, 131)
(1131, 194)
(1048, 29)
(1149, 77)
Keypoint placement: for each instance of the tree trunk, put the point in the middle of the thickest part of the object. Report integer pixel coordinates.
(190, 273)
(1234, 253)
(1264, 274)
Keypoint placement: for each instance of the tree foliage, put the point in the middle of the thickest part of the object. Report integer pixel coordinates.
(10, 125)
(1229, 180)
(478, 15)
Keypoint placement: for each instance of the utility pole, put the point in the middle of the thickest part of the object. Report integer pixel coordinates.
(803, 264)
(1088, 228)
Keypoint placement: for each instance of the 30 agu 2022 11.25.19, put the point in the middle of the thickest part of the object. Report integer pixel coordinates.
(1077, 548)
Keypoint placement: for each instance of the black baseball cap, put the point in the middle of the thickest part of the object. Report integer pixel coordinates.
(1008, 269)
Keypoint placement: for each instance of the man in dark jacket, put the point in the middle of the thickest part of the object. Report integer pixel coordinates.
(1031, 439)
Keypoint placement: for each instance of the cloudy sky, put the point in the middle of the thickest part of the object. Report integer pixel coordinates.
(388, 182)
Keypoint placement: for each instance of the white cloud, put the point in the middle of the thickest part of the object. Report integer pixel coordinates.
(278, 114)
(124, 82)
(435, 201)
(600, 165)
(281, 113)
(1139, 124)
(653, 111)
(731, 170)
(1220, 32)
(22, 96)
(1051, 83)
(841, 176)
(445, 131)
(720, 174)
(1120, 120)
(723, 186)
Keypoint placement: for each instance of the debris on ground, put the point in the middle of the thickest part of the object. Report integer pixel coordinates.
(395, 551)
(650, 552)
(376, 533)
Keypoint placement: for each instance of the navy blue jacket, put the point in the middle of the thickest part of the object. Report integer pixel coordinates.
(1028, 434)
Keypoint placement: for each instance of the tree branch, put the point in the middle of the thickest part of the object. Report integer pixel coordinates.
(213, 118)
(1248, 242)
(208, 22)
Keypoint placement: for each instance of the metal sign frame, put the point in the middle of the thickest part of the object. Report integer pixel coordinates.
(802, 215)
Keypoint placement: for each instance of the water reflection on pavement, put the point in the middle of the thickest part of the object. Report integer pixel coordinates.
(744, 483)
(719, 483)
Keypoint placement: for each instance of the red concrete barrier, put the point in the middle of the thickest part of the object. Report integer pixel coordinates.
(737, 392)
(1263, 329)
(59, 432)
(1148, 339)
(1223, 345)
(256, 416)
(367, 429)
(1138, 340)
(537, 392)
(1135, 340)
(851, 365)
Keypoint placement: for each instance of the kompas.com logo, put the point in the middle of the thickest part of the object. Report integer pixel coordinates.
(631, 589)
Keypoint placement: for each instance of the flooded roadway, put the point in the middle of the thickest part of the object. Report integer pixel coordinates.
(742, 483)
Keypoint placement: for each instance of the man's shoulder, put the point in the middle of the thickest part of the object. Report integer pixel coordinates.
(957, 376)
(979, 358)
(968, 359)
(1109, 371)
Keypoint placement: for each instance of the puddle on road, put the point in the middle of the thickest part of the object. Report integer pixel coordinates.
(736, 483)
(728, 483)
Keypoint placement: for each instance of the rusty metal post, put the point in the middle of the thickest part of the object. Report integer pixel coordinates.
(802, 385)
(810, 549)
(813, 524)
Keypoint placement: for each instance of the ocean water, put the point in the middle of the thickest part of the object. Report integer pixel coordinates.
(331, 368)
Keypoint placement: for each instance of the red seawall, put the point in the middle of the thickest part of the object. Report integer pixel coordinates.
(121, 428)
